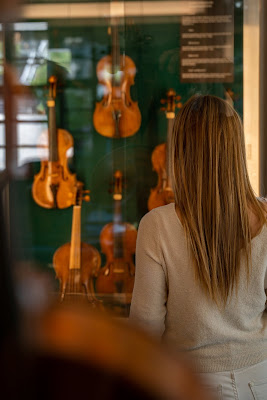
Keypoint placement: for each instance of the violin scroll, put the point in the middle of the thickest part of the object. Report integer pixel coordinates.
(172, 102)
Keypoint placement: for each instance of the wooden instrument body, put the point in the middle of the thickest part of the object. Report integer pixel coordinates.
(77, 282)
(55, 186)
(56, 174)
(117, 115)
(118, 241)
(117, 276)
(162, 194)
(77, 263)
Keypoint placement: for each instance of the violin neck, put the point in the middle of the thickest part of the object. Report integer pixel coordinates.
(75, 245)
(118, 230)
(115, 51)
(170, 120)
(52, 132)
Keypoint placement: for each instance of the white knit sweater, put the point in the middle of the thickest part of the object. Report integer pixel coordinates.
(168, 301)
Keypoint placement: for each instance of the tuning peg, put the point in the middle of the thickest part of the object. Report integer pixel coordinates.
(85, 195)
(52, 79)
(163, 101)
(117, 196)
(162, 108)
(179, 105)
(178, 97)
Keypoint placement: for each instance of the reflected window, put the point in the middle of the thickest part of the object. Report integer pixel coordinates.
(32, 130)
(32, 142)
(31, 52)
(35, 61)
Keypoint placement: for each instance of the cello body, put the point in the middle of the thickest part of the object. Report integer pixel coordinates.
(77, 263)
(76, 283)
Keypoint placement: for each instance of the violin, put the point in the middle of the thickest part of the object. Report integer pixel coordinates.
(77, 263)
(55, 186)
(118, 242)
(117, 115)
(162, 194)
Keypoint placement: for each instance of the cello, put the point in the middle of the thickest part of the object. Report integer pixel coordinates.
(116, 115)
(118, 241)
(162, 194)
(77, 263)
(55, 186)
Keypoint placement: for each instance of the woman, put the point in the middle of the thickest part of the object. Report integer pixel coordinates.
(201, 263)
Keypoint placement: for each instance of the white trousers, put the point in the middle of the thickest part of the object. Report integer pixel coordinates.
(249, 383)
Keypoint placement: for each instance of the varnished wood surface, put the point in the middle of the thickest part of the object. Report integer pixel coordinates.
(117, 276)
(57, 174)
(162, 193)
(79, 280)
(116, 99)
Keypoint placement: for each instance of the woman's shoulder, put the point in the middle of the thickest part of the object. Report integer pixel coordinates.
(162, 219)
(159, 213)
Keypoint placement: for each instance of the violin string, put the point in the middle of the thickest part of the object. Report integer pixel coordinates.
(123, 35)
(124, 150)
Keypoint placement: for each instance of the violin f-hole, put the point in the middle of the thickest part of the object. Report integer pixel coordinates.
(64, 178)
(119, 286)
(54, 189)
(131, 270)
(43, 177)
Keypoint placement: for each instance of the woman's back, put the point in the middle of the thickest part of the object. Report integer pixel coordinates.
(216, 338)
(201, 278)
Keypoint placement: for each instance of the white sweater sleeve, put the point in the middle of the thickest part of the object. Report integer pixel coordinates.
(148, 307)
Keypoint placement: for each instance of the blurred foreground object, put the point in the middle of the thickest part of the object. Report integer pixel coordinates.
(68, 352)
(9, 9)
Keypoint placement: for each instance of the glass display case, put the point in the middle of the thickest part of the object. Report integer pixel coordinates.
(90, 91)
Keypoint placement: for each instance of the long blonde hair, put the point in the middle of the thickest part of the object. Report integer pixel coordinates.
(212, 191)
